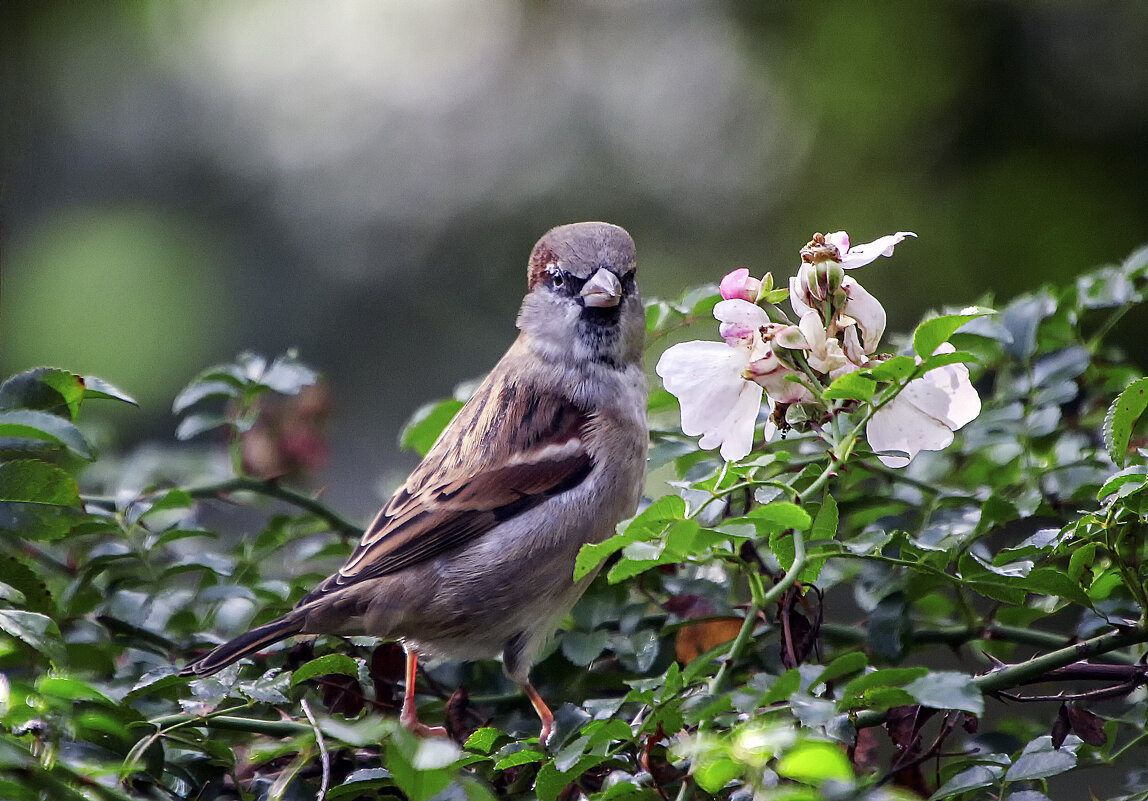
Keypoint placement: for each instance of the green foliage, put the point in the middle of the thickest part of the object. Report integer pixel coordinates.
(757, 629)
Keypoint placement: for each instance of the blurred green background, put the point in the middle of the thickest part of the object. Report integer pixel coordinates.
(364, 178)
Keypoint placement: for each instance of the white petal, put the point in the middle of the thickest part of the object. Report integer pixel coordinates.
(706, 379)
(813, 329)
(860, 255)
(736, 433)
(792, 337)
(853, 351)
(866, 310)
(741, 313)
(839, 240)
(901, 426)
(796, 298)
(946, 394)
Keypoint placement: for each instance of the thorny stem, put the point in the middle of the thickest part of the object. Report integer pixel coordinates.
(1026, 672)
(760, 601)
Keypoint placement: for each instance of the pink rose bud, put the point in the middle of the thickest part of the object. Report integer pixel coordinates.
(739, 286)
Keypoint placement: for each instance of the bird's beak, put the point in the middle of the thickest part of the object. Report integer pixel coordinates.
(602, 290)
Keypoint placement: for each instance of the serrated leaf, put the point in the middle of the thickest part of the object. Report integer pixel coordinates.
(99, 389)
(931, 334)
(326, 665)
(889, 677)
(1040, 760)
(844, 665)
(971, 779)
(45, 389)
(523, 757)
(649, 523)
(947, 690)
(36, 630)
(851, 386)
(827, 520)
(892, 369)
(27, 424)
(779, 516)
(22, 578)
(483, 739)
(33, 481)
(1122, 416)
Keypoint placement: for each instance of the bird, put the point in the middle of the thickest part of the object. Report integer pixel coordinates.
(473, 556)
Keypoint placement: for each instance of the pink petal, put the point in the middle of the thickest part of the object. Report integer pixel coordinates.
(739, 285)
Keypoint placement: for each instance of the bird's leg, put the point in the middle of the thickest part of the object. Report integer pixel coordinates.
(409, 717)
(544, 713)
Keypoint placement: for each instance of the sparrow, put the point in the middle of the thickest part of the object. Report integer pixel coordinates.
(473, 557)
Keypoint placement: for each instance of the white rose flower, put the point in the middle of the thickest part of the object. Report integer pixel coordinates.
(924, 414)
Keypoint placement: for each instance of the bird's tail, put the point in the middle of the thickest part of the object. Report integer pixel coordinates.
(244, 644)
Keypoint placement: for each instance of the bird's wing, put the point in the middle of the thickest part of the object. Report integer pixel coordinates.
(525, 453)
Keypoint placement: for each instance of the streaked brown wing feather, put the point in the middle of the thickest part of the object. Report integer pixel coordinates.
(529, 452)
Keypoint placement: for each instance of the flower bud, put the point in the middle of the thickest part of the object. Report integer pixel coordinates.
(739, 285)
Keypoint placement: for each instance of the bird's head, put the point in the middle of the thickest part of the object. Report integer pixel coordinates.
(583, 301)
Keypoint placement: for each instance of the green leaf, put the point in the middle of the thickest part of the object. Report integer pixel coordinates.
(424, 427)
(1054, 582)
(892, 369)
(1040, 759)
(971, 779)
(931, 334)
(776, 296)
(483, 739)
(948, 690)
(38, 500)
(844, 665)
(889, 677)
(583, 647)
(21, 577)
(851, 386)
(779, 516)
(1122, 416)
(814, 762)
(786, 685)
(523, 757)
(45, 389)
(100, 389)
(647, 525)
(714, 774)
(23, 424)
(1123, 481)
(827, 520)
(942, 359)
(324, 666)
(416, 783)
(36, 630)
(606, 731)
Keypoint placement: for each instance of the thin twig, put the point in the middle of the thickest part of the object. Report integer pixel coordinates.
(324, 758)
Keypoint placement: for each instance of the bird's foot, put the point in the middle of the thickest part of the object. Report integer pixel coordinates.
(415, 726)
